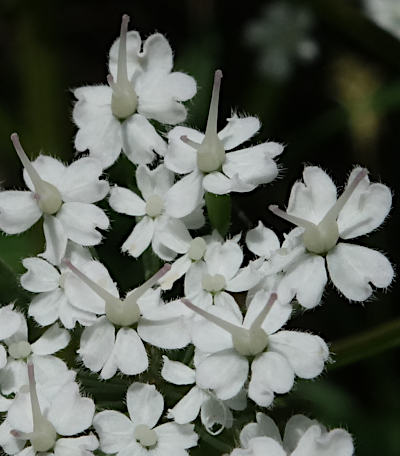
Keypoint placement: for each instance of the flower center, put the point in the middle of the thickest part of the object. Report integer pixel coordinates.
(124, 100)
(145, 436)
(154, 206)
(20, 350)
(246, 341)
(124, 312)
(197, 249)
(44, 435)
(211, 152)
(322, 237)
(48, 197)
(213, 283)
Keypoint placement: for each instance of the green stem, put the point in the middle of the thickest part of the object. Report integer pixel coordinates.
(366, 344)
(219, 212)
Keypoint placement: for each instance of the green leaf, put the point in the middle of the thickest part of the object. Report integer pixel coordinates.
(219, 211)
(10, 289)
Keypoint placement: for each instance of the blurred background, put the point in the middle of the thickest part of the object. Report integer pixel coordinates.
(324, 78)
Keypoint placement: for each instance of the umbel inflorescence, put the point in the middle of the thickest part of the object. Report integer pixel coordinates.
(231, 355)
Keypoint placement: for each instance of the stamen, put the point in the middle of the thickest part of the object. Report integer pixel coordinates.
(211, 152)
(124, 100)
(333, 213)
(259, 320)
(44, 435)
(48, 197)
(226, 325)
(298, 221)
(189, 142)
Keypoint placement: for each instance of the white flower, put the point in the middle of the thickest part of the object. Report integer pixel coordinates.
(215, 414)
(56, 288)
(138, 434)
(64, 195)
(106, 349)
(141, 87)
(303, 437)
(33, 416)
(158, 226)
(277, 355)
(324, 218)
(219, 270)
(209, 167)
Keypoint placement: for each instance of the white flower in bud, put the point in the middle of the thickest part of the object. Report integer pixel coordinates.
(323, 219)
(63, 196)
(275, 356)
(302, 437)
(139, 433)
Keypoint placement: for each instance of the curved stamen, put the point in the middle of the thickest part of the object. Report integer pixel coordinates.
(122, 71)
(259, 320)
(213, 111)
(298, 221)
(190, 142)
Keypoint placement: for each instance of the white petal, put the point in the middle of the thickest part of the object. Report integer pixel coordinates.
(185, 196)
(174, 235)
(225, 372)
(40, 275)
(145, 404)
(176, 372)
(10, 321)
(96, 344)
(177, 435)
(133, 45)
(157, 181)
(193, 280)
(129, 352)
(187, 409)
(81, 181)
(305, 352)
(265, 446)
(312, 200)
(13, 376)
(295, 428)
(4, 404)
(18, 211)
(195, 219)
(99, 130)
(316, 443)
(246, 278)
(69, 412)
(69, 315)
(79, 446)
(178, 269)
(215, 416)
(167, 333)
(161, 250)
(51, 341)
(238, 130)
(265, 427)
(352, 268)
(125, 201)
(80, 222)
(8, 443)
(276, 318)
(224, 259)
(220, 184)
(180, 157)
(306, 279)
(44, 307)
(50, 170)
(114, 429)
(157, 54)
(56, 239)
(3, 357)
(140, 238)
(253, 165)
(366, 209)
(140, 140)
(262, 241)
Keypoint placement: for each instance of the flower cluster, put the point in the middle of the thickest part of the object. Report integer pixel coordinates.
(235, 352)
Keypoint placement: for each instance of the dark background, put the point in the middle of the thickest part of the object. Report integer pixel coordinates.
(340, 109)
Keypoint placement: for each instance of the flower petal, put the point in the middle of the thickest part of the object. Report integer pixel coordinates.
(49, 169)
(114, 429)
(51, 341)
(224, 259)
(305, 352)
(262, 241)
(145, 404)
(174, 235)
(176, 435)
(180, 157)
(352, 268)
(177, 373)
(140, 140)
(265, 427)
(238, 130)
(215, 416)
(80, 222)
(44, 307)
(187, 409)
(129, 351)
(40, 275)
(185, 196)
(10, 321)
(125, 201)
(225, 372)
(140, 238)
(18, 211)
